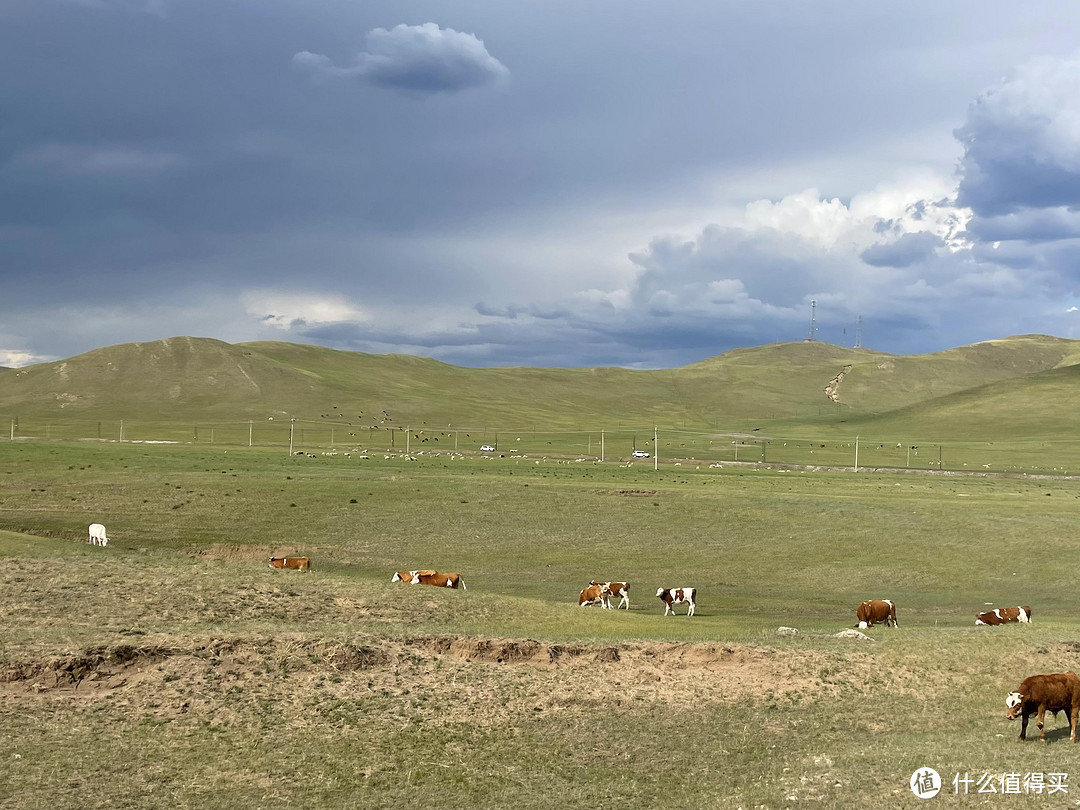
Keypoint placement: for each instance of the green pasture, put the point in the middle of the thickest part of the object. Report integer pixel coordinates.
(185, 572)
(766, 541)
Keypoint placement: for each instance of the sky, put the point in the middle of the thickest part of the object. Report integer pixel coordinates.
(537, 183)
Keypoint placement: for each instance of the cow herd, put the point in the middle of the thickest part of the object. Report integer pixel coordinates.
(1057, 692)
(876, 611)
(1037, 694)
(601, 593)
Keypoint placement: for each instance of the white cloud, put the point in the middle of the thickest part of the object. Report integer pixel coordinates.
(423, 59)
(14, 358)
(286, 310)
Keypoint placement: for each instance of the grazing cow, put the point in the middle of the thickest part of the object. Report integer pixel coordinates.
(876, 610)
(295, 563)
(437, 579)
(97, 535)
(997, 616)
(407, 576)
(619, 589)
(675, 596)
(592, 594)
(1057, 692)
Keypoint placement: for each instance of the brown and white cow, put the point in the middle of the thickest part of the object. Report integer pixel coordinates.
(296, 563)
(876, 610)
(997, 616)
(1040, 693)
(592, 594)
(438, 579)
(407, 576)
(619, 589)
(676, 596)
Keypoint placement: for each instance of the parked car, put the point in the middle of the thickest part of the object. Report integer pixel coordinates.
(486, 448)
(640, 454)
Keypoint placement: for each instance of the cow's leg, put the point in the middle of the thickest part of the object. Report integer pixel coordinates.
(1074, 712)
(1039, 721)
(1024, 714)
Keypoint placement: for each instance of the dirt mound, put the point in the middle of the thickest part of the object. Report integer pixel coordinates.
(742, 669)
(97, 667)
(234, 552)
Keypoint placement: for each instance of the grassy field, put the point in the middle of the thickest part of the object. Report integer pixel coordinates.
(175, 669)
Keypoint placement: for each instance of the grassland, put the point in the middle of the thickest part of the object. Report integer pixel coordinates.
(175, 669)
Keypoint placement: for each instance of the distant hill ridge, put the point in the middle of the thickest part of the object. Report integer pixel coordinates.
(189, 378)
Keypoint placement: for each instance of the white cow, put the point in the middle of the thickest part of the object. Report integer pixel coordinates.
(97, 535)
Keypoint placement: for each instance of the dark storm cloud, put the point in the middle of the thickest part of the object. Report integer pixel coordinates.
(905, 251)
(1029, 225)
(1022, 141)
(363, 174)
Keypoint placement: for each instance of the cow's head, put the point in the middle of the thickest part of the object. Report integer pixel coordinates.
(396, 577)
(863, 625)
(1013, 704)
(660, 592)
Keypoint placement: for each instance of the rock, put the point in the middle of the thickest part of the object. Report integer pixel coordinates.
(855, 634)
(786, 631)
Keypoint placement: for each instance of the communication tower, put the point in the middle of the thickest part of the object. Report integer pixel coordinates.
(813, 322)
(858, 332)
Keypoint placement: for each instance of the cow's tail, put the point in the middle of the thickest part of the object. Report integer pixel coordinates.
(461, 582)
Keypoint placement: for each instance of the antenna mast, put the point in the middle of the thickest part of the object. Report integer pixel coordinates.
(858, 332)
(813, 321)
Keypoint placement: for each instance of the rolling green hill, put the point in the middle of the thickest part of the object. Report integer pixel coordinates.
(787, 386)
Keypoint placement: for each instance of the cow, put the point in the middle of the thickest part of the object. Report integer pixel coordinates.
(1039, 693)
(97, 535)
(619, 589)
(407, 576)
(295, 563)
(592, 594)
(876, 610)
(675, 596)
(438, 579)
(997, 616)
